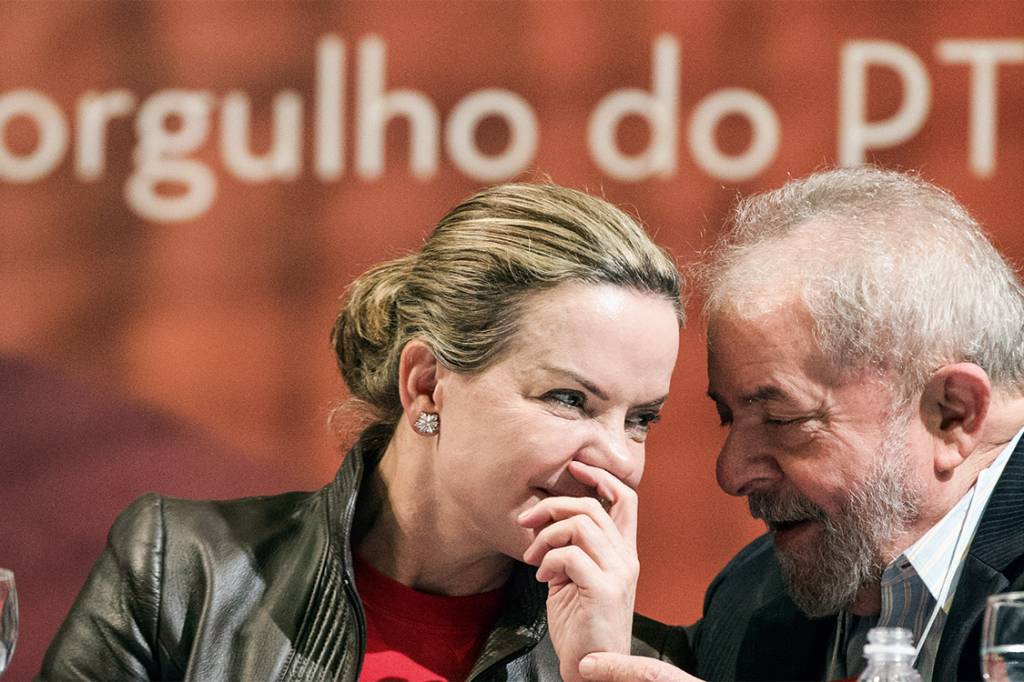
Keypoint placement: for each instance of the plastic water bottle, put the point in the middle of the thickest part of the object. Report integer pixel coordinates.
(890, 653)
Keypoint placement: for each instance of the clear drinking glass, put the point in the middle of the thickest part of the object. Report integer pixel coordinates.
(8, 618)
(1002, 638)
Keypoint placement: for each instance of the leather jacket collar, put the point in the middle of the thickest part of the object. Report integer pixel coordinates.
(519, 629)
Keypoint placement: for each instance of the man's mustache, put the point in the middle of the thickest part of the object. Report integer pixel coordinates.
(775, 509)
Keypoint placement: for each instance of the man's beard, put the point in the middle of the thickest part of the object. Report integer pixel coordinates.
(824, 576)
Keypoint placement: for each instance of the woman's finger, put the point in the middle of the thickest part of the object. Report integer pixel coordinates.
(581, 531)
(570, 564)
(621, 500)
(553, 509)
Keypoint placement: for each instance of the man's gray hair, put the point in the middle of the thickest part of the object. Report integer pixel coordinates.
(892, 270)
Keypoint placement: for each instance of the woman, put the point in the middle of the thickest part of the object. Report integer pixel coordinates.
(512, 368)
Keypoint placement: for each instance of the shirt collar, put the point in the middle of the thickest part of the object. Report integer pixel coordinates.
(945, 543)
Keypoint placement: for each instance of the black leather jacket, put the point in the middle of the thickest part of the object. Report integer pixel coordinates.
(255, 589)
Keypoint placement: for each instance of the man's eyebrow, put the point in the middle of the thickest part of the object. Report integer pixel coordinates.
(580, 380)
(759, 395)
(765, 394)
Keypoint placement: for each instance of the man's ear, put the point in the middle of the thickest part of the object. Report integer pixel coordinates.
(417, 379)
(955, 403)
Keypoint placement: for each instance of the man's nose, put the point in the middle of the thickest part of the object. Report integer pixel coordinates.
(745, 466)
(612, 449)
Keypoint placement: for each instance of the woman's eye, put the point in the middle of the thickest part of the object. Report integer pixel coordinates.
(570, 399)
(642, 422)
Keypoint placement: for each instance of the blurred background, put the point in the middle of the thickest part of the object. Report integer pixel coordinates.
(187, 188)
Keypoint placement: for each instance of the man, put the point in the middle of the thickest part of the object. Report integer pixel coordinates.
(866, 353)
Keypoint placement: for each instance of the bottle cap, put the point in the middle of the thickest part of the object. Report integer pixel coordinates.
(897, 641)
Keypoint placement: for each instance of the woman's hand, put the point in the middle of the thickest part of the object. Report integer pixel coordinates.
(585, 550)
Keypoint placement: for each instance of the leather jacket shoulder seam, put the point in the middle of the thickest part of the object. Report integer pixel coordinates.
(161, 569)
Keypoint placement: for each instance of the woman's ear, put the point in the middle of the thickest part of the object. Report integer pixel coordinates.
(956, 401)
(417, 380)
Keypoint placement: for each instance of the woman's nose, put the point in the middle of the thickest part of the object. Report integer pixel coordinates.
(744, 465)
(612, 449)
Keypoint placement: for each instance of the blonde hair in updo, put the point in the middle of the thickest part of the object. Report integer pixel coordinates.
(463, 293)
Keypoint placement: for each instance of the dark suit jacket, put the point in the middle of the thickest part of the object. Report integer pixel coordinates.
(751, 630)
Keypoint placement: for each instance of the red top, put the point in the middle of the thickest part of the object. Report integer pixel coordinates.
(418, 637)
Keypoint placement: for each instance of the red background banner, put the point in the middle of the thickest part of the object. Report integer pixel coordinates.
(187, 188)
